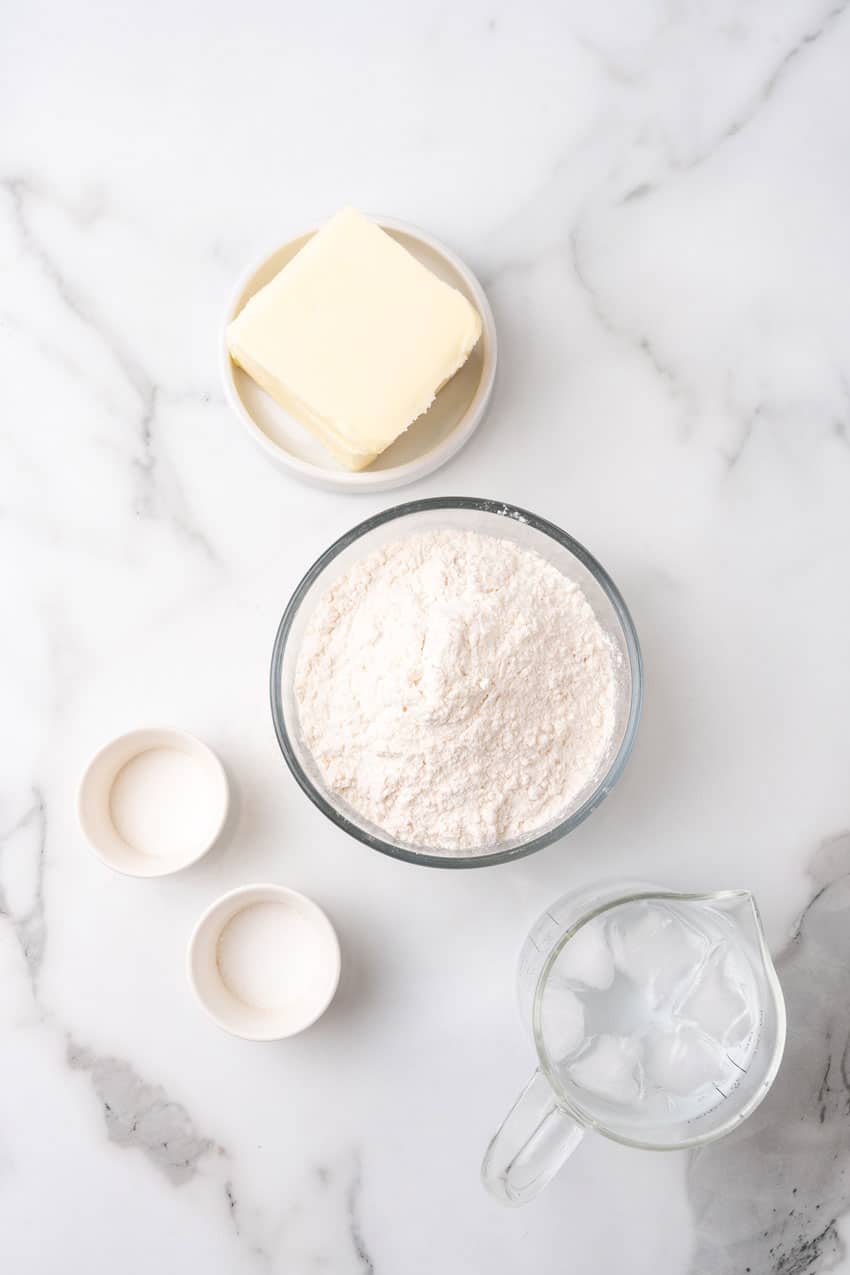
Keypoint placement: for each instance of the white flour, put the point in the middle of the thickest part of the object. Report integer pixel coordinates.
(456, 690)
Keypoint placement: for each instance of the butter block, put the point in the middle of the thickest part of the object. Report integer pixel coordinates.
(354, 337)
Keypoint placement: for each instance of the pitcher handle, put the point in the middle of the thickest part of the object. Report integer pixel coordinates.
(534, 1140)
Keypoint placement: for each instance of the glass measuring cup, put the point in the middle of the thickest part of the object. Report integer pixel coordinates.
(658, 1021)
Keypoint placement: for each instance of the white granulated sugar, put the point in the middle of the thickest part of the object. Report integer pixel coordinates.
(456, 690)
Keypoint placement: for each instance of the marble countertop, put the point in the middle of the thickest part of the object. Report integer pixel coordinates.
(656, 198)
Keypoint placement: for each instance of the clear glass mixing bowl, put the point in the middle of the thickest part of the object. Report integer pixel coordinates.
(488, 517)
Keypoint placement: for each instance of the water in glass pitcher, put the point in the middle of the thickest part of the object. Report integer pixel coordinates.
(651, 1012)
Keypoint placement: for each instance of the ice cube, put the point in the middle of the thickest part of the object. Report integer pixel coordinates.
(717, 1002)
(562, 1020)
(586, 959)
(655, 947)
(682, 1059)
(610, 1068)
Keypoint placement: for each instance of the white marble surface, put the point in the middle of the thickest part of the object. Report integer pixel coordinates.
(656, 197)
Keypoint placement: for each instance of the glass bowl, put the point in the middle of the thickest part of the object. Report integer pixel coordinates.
(489, 517)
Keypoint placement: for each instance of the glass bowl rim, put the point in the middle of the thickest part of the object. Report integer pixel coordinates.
(500, 509)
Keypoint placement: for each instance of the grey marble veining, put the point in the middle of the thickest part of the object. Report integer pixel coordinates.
(770, 1196)
(355, 1228)
(25, 843)
(157, 488)
(141, 1116)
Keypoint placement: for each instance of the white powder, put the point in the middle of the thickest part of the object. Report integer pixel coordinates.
(161, 803)
(270, 956)
(456, 690)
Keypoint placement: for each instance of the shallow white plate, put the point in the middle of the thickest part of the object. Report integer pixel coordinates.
(431, 440)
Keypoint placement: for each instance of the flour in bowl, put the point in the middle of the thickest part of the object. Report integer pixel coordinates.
(456, 690)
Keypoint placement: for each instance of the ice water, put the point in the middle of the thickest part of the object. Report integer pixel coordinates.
(651, 1012)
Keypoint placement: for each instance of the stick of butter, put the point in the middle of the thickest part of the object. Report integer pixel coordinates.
(354, 337)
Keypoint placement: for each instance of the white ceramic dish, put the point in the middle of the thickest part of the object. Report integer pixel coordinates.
(309, 970)
(432, 440)
(153, 801)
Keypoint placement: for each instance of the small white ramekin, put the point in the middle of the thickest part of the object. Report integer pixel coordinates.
(291, 1016)
(95, 810)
